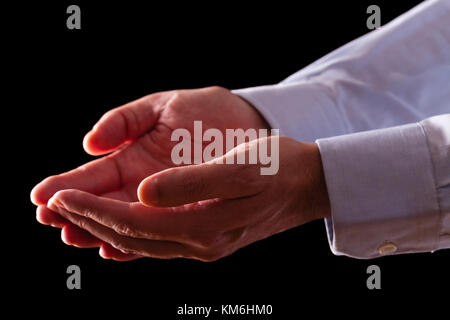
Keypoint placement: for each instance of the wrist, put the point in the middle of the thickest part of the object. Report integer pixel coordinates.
(259, 121)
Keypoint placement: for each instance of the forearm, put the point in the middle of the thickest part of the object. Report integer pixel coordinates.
(391, 76)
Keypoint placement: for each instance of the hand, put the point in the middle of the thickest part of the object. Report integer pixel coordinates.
(138, 134)
(206, 211)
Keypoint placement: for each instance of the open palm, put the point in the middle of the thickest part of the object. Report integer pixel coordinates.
(137, 140)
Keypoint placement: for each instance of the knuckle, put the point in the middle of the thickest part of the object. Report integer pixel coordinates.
(247, 175)
(217, 89)
(124, 229)
(130, 121)
(176, 101)
(90, 213)
(119, 245)
(193, 185)
(83, 224)
(59, 197)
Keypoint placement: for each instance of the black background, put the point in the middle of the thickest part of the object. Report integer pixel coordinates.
(66, 79)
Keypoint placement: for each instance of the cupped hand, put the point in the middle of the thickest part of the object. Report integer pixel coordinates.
(136, 141)
(206, 211)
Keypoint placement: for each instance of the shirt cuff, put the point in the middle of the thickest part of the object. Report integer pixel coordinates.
(303, 111)
(382, 192)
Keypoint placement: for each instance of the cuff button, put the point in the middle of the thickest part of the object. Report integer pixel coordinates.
(387, 248)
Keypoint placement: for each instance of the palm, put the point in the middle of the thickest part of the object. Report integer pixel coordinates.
(148, 150)
(151, 152)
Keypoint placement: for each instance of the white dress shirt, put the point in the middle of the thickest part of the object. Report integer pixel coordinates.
(388, 175)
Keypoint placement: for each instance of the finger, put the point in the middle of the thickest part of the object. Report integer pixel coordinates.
(108, 252)
(98, 176)
(188, 184)
(134, 220)
(139, 221)
(49, 217)
(71, 234)
(75, 236)
(120, 125)
(128, 245)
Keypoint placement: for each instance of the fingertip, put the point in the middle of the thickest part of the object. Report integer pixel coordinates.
(40, 216)
(102, 253)
(79, 238)
(34, 196)
(147, 191)
(64, 236)
(47, 217)
(105, 137)
(61, 197)
(91, 145)
(86, 143)
(55, 201)
(40, 194)
(45, 189)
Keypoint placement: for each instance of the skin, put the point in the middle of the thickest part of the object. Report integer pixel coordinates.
(134, 203)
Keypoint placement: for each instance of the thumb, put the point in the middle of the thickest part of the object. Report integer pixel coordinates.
(188, 184)
(120, 125)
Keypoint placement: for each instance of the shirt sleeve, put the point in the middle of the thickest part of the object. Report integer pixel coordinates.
(395, 75)
(389, 189)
